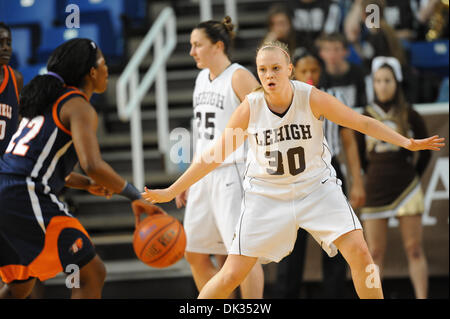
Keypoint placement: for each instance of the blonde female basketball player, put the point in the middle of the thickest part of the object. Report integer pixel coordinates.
(213, 206)
(289, 181)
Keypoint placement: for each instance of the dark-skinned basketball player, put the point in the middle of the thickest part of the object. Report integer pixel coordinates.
(39, 237)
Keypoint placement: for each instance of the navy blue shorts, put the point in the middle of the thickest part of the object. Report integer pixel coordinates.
(38, 236)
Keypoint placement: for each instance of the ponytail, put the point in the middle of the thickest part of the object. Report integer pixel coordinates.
(219, 31)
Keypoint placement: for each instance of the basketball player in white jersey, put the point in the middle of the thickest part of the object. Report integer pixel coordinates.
(213, 204)
(289, 180)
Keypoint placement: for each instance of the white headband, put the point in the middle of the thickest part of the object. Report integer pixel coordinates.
(392, 62)
(273, 46)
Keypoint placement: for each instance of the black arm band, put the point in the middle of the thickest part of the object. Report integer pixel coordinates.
(130, 192)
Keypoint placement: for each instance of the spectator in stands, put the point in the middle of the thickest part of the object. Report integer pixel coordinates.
(369, 40)
(372, 40)
(338, 74)
(279, 26)
(310, 18)
(308, 69)
(392, 179)
(402, 16)
(11, 83)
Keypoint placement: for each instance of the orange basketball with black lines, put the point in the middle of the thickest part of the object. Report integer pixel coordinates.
(159, 240)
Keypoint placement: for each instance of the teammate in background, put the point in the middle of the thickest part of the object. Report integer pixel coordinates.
(308, 68)
(289, 181)
(11, 83)
(213, 207)
(38, 235)
(392, 177)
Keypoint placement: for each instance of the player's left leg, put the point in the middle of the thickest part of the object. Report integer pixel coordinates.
(232, 274)
(365, 275)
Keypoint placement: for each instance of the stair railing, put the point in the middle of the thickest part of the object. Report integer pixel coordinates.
(230, 10)
(130, 91)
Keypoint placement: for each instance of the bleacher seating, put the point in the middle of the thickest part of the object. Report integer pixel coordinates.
(22, 45)
(30, 71)
(28, 12)
(431, 56)
(53, 37)
(107, 15)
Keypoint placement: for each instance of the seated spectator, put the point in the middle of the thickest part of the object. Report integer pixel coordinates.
(279, 26)
(310, 18)
(371, 41)
(339, 74)
(402, 16)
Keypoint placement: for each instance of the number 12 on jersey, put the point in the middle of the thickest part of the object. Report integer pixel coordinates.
(21, 146)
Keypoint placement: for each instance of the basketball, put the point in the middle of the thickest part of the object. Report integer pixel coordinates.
(159, 241)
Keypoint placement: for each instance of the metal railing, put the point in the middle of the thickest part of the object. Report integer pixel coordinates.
(230, 10)
(130, 91)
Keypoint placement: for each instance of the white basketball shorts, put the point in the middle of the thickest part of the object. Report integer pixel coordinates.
(270, 218)
(212, 210)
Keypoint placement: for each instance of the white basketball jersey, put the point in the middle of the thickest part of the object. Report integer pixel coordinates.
(287, 150)
(214, 102)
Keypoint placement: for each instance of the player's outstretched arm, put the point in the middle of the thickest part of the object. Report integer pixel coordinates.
(233, 137)
(324, 104)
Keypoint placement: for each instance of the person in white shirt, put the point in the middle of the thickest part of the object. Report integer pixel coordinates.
(289, 181)
(213, 204)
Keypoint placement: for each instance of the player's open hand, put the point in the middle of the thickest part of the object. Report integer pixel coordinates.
(181, 199)
(144, 207)
(434, 143)
(157, 195)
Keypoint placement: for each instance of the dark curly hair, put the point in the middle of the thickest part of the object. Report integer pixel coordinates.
(72, 61)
